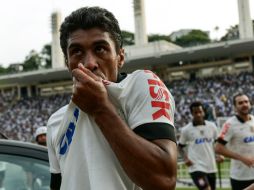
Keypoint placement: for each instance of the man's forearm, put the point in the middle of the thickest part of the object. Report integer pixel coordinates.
(182, 152)
(149, 165)
(222, 150)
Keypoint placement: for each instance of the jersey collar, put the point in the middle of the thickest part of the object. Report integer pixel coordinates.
(195, 124)
(120, 77)
(241, 120)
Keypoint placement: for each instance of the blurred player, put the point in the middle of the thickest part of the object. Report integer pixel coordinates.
(199, 137)
(41, 136)
(117, 132)
(238, 134)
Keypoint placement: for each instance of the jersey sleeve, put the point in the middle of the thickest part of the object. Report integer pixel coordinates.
(53, 161)
(225, 134)
(149, 106)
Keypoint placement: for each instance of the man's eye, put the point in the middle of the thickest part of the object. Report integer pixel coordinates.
(100, 49)
(76, 52)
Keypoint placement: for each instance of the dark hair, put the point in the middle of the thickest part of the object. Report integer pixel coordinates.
(237, 95)
(87, 18)
(196, 104)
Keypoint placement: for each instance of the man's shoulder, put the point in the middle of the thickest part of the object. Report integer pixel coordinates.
(57, 116)
(187, 127)
(136, 82)
(232, 120)
(231, 124)
(252, 117)
(210, 124)
(141, 74)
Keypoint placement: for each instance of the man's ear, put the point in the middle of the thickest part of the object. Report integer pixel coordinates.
(120, 58)
(66, 62)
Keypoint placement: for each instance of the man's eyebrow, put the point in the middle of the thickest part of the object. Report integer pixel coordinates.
(74, 45)
(101, 42)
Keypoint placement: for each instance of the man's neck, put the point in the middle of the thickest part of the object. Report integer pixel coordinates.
(197, 123)
(244, 117)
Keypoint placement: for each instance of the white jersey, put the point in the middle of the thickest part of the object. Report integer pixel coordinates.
(79, 151)
(240, 138)
(200, 141)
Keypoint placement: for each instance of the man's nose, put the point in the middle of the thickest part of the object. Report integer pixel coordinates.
(90, 62)
(199, 114)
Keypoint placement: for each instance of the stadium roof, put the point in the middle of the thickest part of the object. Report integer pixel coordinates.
(209, 51)
(35, 77)
(162, 58)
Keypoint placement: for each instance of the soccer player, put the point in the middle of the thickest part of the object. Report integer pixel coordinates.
(198, 137)
(238, 134)
(117, 132)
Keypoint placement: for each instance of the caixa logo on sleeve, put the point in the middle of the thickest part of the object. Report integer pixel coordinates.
(67, 137)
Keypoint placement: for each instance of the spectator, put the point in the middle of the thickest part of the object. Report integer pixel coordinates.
(40, 136)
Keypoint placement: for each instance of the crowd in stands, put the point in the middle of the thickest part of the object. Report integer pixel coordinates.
(6, 99)
(21, 119)
(24, 116)
(216, 93)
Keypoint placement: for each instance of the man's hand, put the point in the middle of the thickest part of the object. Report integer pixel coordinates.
(220, 158)
(89, 92)
(248, 161)
(188, 162)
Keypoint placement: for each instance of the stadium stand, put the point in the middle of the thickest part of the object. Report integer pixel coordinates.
(210, 73)
(215, 92)
(20, 118)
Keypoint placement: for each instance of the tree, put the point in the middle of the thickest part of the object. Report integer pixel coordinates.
(3, 70)
(46, 56)
(128, 38)
(32, 61)
(193, 38)
(157, 37)
(232, 34)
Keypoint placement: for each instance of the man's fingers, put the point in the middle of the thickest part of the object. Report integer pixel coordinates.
(83, 79)
(87, 71)
(80, 76)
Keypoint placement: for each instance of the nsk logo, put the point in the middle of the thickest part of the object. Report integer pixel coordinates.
(67, 137)
(157, 91)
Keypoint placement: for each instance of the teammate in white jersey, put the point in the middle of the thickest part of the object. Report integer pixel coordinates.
(199, 137)
(117, 133)
(238, 134)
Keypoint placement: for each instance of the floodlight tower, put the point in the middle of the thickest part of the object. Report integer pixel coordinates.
(57, 55)
(140, 22)
(245, 22)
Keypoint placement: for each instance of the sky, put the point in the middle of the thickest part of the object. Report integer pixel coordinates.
(25, 24)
